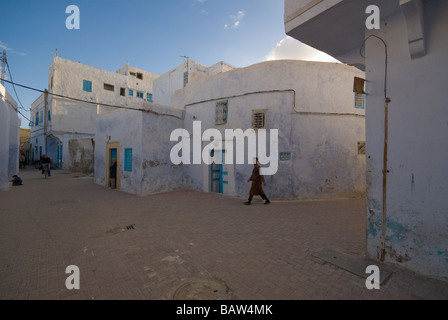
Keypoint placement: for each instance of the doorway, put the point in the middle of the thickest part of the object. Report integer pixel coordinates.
(218, 172)
(113, 152)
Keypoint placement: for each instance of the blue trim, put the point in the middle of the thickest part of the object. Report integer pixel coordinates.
(128, 159)
(87, 85)
(284, 156)
(363, 102)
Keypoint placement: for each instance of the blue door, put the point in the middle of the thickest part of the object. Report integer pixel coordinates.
(60, 156)
(113, 155)
(217, 172)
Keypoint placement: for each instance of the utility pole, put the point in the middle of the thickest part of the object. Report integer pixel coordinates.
(3, 66)
(45, 118)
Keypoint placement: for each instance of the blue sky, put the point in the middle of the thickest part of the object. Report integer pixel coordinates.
(150, 34)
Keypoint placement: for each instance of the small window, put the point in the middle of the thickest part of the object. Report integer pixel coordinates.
(128, 159)
(221, 112)
(131, 92)
(185, 78)
(361, 147)
(139, 94)
(109, 87)
(132, 73)
(122, 92)
(360, 100)
(37, 118)
(139, 75)
(149, 97)
(87, 86)
(259, 119)
(49, 115)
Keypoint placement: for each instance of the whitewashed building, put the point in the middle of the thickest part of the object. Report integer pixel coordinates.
(9, 138)
(321, 133)
(405, 59)
(60, 120)
(166, 84)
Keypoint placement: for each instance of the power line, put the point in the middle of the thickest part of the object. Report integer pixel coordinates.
(13, 86)
(75, 99)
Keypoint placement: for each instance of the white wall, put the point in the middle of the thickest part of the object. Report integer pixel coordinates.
(124, 126)
(416, 203)
(148, 134)
(312, 106)
(9, 138)
(169, 82)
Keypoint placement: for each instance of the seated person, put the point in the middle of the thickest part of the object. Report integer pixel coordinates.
(16, 181)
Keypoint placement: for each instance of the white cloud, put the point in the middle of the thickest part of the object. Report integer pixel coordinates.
(290, 48)
(4, 46)
(237, 18)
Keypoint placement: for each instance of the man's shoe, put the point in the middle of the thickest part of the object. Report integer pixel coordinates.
(247, 203)
(267, 201)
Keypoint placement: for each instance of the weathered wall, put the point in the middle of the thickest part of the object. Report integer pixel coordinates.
(417, 182)
(81, 155)
(312, 106)
(159, 174)
(125, 127)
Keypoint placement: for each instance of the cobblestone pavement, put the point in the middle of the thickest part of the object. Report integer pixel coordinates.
(130, 247)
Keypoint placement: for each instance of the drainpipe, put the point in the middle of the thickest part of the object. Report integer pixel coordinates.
(385, 172)
(386, 137)
(45, 120)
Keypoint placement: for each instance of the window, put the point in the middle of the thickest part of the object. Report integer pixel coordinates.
(122, 92)
(149, 97)
(49, 115)
(139, 94)
(109, 87)
(37, 119)
(131, 92)
(259, 119)
(361, 147)
(87, 86)
(139, 75)
(185, 78)
(360, 100)
(221, 112)
(41, 115)
(128, 159)
(132, 73)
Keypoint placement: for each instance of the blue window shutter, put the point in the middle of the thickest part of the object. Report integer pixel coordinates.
(149, 97)
(131, 92)
(128, 159)
(87, 86)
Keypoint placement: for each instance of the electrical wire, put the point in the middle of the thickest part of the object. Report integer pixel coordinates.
(75, 99)
(13, 86)
(386, 62)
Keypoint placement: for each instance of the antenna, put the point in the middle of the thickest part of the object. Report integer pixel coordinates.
(3, 66)
(186, 75)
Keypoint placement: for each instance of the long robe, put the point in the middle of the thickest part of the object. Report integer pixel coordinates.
(257, 180)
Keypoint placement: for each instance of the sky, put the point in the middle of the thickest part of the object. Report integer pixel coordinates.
(152, 35)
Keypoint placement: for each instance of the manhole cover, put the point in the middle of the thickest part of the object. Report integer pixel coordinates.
(203, 289)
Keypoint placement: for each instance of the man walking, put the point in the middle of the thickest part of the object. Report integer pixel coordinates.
(256, 188)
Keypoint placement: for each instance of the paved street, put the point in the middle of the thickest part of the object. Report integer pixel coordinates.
(180, 244)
